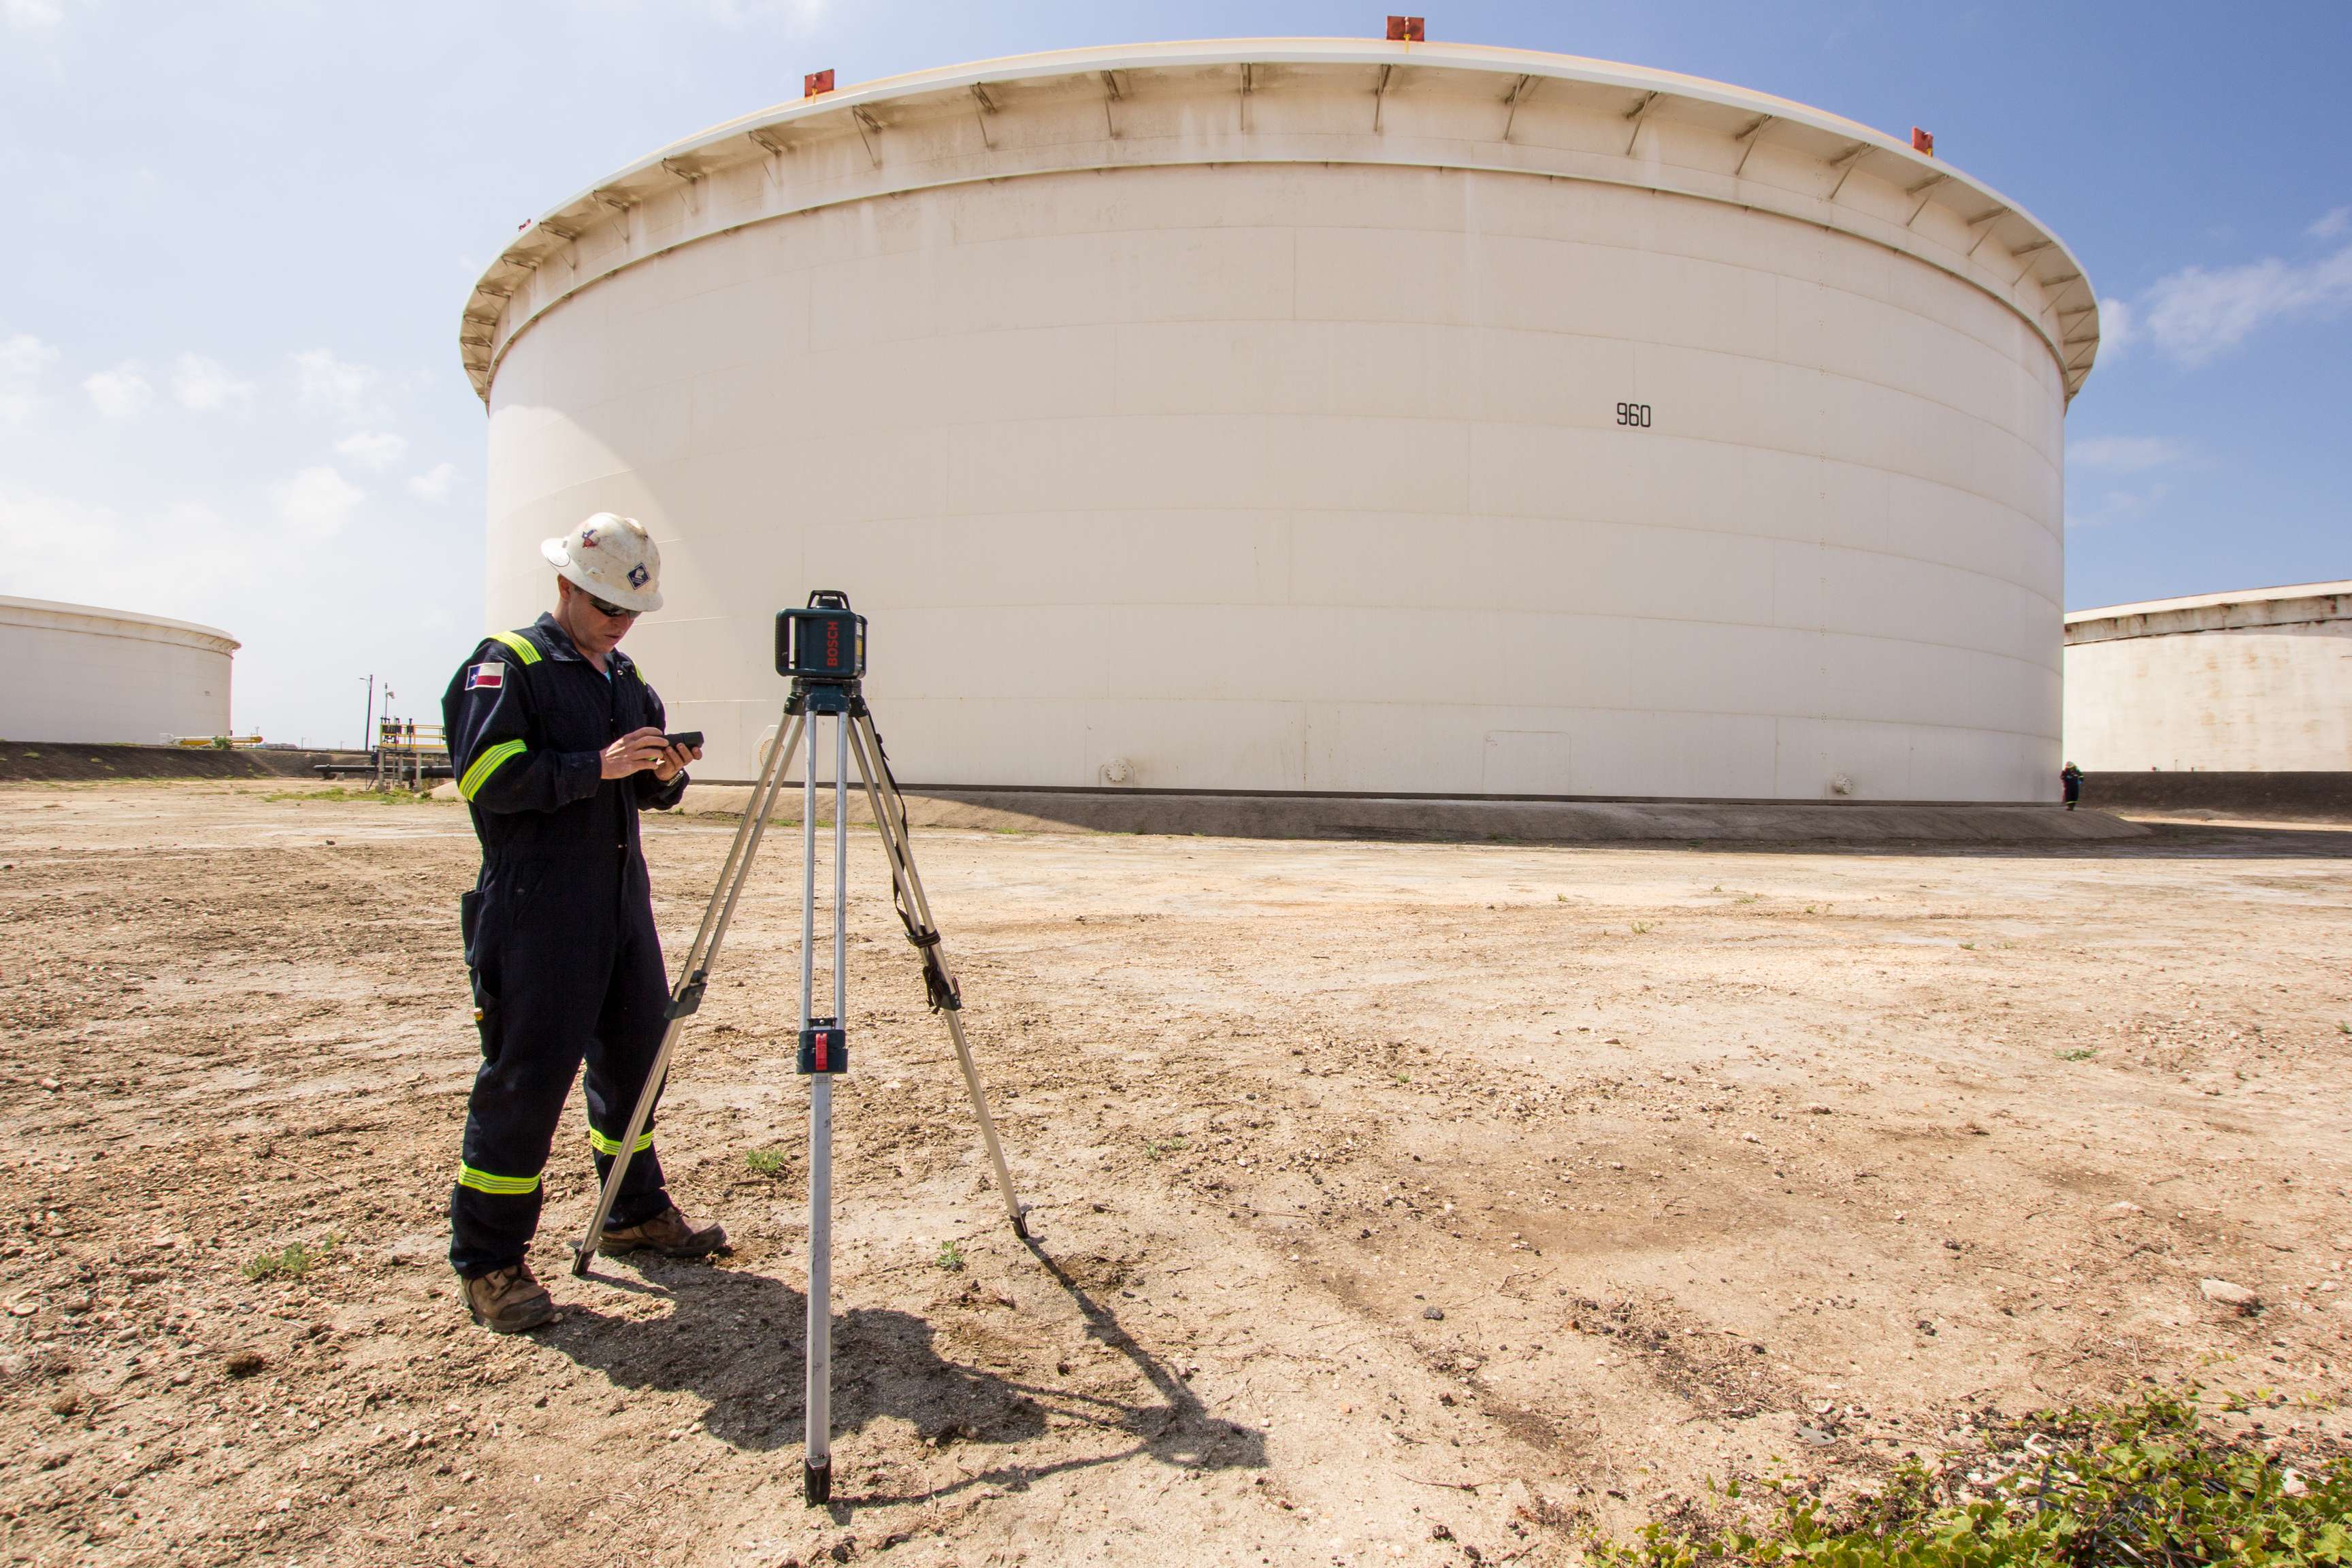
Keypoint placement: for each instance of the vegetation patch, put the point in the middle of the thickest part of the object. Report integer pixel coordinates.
(291, 1262)
(2149, 1485)
(401, 796)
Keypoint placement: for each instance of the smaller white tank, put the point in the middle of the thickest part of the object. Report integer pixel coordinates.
(2259, 681)
(76, 672)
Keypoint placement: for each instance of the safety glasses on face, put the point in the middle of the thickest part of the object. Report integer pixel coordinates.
(609, 612)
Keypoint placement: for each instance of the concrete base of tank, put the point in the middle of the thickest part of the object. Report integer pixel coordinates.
(2294, 797)
(56, 761)
(1398, 819)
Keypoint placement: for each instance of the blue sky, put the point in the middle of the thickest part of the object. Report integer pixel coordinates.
(239, 235)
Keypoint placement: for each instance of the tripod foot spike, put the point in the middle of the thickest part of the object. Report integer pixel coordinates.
(1021, 1223)
(579, 1258)
(816, 1482)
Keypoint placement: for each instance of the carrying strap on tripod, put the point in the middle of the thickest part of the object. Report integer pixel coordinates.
(941, 989)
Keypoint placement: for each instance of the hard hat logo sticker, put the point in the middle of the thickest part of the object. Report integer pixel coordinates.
(638, 575)
(588, 538)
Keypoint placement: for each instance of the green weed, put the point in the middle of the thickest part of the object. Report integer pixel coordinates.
(769, 1162)
(950, 1256)
(2131, 1484)
(1175, 1145)
(291, 1262)
(2079, 1053)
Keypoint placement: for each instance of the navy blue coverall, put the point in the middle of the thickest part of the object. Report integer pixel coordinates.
(559, 929)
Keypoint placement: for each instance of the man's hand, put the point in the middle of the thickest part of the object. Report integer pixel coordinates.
(674, 760)
(637, 751)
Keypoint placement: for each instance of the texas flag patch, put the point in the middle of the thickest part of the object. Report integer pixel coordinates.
(490, 676)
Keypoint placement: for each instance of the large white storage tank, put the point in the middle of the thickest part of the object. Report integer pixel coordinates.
(1321, 415)
(2258, 681)
(79, 673)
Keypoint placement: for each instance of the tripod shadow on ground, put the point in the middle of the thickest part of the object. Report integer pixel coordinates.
(736, 1340)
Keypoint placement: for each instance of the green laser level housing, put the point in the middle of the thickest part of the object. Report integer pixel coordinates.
(822, 645)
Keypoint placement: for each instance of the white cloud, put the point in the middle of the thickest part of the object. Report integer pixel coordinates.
(2122, 454)
(2117, 506)
(2118, 326)
(205, 386)
(175, 562)
(432, 484)
(329, 385)
(373, 449)
(796, 13)
(51, 542)
(2339, 221)
(318, 501)
(120, 392)
(33, 16)
(23, 358)
(2194, 314)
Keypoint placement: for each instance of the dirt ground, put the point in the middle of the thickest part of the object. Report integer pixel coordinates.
(1429, 1204)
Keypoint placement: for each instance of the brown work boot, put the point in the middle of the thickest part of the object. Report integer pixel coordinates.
(510, 1301)
(669, 1233)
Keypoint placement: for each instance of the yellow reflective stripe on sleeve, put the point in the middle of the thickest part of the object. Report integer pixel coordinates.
(486, 764)
(603, 1145)
(520, 644)
(499, 1186)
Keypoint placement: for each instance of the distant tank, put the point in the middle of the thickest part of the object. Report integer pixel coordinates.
(76, 672)
(2259, 681)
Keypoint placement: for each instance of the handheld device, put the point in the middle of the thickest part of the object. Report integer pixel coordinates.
(684, 738)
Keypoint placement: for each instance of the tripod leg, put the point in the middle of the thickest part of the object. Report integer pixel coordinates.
(693, 971)
(890, 821)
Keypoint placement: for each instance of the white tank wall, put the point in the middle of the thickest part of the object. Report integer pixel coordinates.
(2257, 698)
(1306, 477)
(78, 673)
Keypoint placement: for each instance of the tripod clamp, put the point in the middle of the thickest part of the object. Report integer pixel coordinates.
(937, 984)
(687, 999)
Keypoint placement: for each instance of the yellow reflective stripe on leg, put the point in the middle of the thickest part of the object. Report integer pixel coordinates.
(498, 1187)
(521, 644)
(603, 1145)
(486, 764)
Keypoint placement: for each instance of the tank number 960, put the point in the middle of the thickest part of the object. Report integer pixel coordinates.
(1636, 414)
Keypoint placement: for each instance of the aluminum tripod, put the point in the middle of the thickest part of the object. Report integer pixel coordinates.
(823, 1046)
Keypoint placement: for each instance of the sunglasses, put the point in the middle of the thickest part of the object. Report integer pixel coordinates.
(609, 612)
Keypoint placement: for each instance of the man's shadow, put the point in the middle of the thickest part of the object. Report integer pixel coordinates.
(737, 1341)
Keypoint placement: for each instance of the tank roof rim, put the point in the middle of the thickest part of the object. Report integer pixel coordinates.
(9, 602)
(2270, 595)
(1469, 58)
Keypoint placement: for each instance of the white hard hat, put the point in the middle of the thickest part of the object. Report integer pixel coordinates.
(612, 557)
